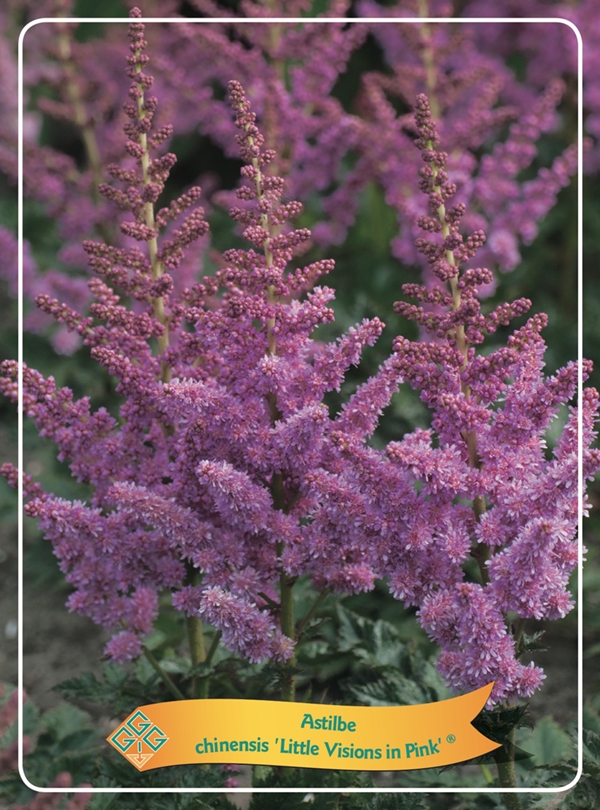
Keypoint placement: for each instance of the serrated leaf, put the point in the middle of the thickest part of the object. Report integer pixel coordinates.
(498, 723)
(395, 689)
(85, 687)
(387, 646)
(396, 802)
(144, 671)
(352, 629)
(377, 642)
(532, 643)
(77, 741)
(376, 693)
(114, 675)
(64, 720)
(591, 747)
(547, 743)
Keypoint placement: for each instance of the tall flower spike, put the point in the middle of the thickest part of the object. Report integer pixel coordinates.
(472, 92)
(100, 450)
(142, 188)
(252, 437)
(265, 214)
(228, 444)
(476, 489)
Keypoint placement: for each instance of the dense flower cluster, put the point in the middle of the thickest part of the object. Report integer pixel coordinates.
(224, 477)
(477, 485)
(223, 417)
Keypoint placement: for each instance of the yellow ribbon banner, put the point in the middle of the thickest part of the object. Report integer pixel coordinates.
(306, 735)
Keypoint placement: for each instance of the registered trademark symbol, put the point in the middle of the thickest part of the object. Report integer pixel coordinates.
(451, 738)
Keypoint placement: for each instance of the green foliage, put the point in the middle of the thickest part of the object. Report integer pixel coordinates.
(345, 657)
(547, 743)
(158, 801)
(63, 739)
(116, 687)
(395, 802)
(310, 778)
(352, 658)
(498, 724)
(531, 643)
(586, 793)
(72, 748)
(385, 670)
(114, 771)
(337, 801)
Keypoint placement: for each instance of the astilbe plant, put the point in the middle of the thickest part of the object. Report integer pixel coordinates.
(224, 478)
(222, 419)
(472, 521)
(477, 485)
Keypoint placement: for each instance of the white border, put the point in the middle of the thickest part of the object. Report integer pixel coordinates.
(261, 20)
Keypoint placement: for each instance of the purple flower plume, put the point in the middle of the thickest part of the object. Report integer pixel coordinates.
(479, 484)
(223, 476)
(204, 477)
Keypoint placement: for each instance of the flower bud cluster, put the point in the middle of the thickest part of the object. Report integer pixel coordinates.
(463, 70)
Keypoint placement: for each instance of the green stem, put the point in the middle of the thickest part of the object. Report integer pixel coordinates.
(287, 605)
(506, 773)
(518, 634)
(204, 682)
(213, 647)
(158, 303)
(163, 675)
(270, 602)
(286, 622)
(487, 773)
(310, 614)
(196, 643)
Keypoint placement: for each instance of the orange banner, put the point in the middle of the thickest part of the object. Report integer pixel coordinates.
(306, 735)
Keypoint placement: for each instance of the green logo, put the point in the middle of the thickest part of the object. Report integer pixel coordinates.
(140, 732)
